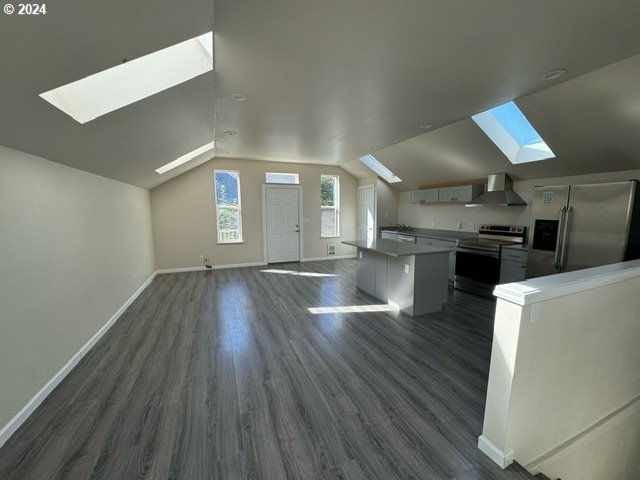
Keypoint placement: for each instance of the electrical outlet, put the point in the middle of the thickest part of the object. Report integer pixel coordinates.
(471, 226)
(459, 225)
(433, 224)
(406, 268)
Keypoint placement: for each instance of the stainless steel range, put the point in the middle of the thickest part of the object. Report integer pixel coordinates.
(478, 259)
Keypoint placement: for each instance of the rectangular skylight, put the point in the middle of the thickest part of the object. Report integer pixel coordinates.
(512, 133)
(371, 162)
(122, 85)
(186, 157)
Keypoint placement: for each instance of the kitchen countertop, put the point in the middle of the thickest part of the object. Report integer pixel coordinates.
(432, 233)
(393, 248)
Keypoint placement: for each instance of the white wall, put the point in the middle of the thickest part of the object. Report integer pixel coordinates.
(564, 384)
(74, 247)
(447, 216)
(184, 214)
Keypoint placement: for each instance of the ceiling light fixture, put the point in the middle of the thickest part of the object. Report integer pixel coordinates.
(230, 132)
(133, 80)
(553, 74)
(239, 97)
(186, 157)
(425, 126)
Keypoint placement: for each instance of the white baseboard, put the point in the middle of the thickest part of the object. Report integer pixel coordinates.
(15, 423)
(213, 267)
(180, 270)
(328, 257)
(239, 265)
(503, 459)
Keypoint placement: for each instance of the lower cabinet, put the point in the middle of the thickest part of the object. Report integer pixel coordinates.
(513, 266)
(389, 236)
(511, 271)
(449, 244)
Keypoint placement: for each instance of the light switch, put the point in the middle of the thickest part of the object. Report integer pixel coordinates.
(360, 254)
(406, 268)
(471, 226)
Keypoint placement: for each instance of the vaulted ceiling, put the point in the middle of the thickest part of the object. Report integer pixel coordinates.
(333, 80)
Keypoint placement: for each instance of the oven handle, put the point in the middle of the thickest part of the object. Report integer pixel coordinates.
(484, 253)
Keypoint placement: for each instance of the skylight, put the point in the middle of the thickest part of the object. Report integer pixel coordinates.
(116, 87)
(512, 133)
(371, 162)
(186, 157)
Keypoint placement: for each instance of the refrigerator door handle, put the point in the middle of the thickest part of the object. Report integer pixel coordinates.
(560, 238)
(567, 219)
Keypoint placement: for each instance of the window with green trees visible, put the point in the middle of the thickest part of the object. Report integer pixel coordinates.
(329, 206)
(228, 211)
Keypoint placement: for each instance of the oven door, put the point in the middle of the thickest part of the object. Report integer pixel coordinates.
(477, 268)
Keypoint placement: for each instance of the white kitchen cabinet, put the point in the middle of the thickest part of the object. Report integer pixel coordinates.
(439, 243)
(462, 193)
(513, 266)
(429, 195)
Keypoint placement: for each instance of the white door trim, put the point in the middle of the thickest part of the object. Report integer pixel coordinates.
(265, 255)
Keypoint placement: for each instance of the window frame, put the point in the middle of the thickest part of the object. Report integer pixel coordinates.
(218, 208)
(335, 206)
(266, 181)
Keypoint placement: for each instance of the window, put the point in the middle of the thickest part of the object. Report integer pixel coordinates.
(129, 82)
(329, 206)
(512, 133)
(228, 212)
(288, 178)
(382, 171)
(186, 157)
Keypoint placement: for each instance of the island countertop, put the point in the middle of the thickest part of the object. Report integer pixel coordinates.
(393, 248)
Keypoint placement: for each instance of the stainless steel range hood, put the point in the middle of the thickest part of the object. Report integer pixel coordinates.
(499, 194)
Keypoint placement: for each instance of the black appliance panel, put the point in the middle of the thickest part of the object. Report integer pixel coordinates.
(545, 235)
(478, 267)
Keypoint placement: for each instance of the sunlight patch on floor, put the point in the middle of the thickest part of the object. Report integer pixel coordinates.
(299, 274)
(353, 309)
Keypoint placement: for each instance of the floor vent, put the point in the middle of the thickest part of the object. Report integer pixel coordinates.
(331, 249)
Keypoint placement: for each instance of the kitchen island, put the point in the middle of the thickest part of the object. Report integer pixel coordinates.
(411, 277)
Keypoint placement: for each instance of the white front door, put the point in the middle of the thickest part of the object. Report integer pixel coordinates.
(282, 206)
(366, 213)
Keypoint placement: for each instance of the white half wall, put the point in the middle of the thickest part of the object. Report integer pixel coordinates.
(564, 383)
(74, 248)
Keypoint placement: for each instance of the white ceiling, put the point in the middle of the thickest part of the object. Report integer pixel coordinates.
(328, 79)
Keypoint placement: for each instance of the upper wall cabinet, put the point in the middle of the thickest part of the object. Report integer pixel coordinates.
(461, 194)
(464, 193)
(424, 196)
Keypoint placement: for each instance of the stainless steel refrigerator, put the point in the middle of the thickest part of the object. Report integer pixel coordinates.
(581, 226)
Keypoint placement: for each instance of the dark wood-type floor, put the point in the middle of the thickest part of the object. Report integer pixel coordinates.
(227, 374)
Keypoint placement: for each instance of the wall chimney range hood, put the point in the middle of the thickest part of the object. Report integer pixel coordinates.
(499, 194)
